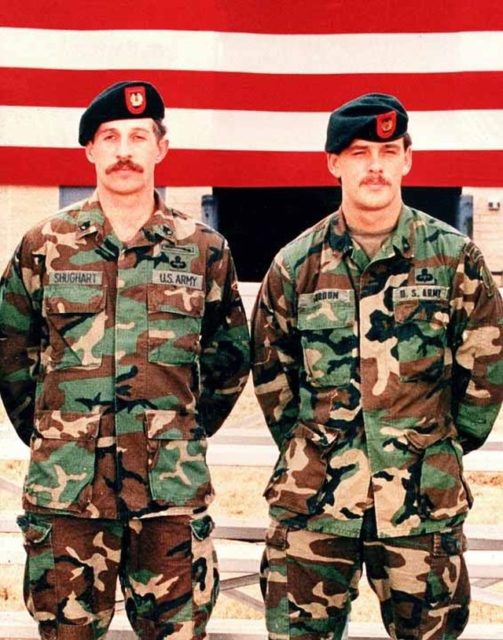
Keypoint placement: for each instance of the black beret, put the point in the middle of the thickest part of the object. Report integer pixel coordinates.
(377, 117)
(121, 101)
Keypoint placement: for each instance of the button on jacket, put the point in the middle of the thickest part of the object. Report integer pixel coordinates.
(117, 360)
(376, 375)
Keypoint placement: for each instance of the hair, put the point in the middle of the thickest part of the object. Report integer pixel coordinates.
(160, 129)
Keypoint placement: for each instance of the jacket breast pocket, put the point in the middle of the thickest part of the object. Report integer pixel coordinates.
(421, 333)
(329, 342)
(174, 324)
(177, 469)
(61, 469)
(76, 323)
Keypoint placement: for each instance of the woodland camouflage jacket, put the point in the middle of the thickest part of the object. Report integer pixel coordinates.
(118, 359)
(375, 376)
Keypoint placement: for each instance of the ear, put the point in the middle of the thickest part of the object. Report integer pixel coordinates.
(408, 161)
(162, 146)
(89, 152)
(333, 164)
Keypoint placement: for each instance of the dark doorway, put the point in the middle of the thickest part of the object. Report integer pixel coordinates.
(258, 222)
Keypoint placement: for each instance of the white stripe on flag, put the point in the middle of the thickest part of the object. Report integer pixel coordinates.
(257, 53)
(255, 130)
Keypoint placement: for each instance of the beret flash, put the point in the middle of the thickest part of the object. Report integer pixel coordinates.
(377, 117)
(121, 101)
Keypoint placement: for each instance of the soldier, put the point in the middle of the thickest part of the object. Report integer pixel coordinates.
(377, 360)
(124, 345)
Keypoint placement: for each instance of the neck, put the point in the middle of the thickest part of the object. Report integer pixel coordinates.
(372, 220)
(126, 213)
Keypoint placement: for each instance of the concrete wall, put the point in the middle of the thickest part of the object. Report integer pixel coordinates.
(20, 209)
(488, 225)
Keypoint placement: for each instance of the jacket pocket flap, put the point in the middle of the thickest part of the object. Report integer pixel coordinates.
(179, 300)
(325, 315)
(74, 299)
(162, 424)
(423, 436)
(67, 425)
(317, 433)
(434, 311)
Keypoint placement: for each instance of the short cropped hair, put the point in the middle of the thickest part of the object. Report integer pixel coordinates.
(160, 129)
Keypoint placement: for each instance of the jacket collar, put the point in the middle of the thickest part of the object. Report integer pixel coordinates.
(91, 220)
(338, 237)
(402, 238)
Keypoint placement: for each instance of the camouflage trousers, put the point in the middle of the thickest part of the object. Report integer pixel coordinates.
(166, 566)
(309, 579)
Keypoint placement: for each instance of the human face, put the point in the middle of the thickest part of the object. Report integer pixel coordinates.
(124, 153)
(371, 175)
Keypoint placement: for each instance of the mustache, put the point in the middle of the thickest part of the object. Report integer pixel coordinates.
(124, 164)
(375, 180)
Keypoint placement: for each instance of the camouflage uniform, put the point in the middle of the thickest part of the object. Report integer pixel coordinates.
(117, 360)
(375, 377)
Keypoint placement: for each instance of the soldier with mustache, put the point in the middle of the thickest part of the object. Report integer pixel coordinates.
(377, 349)
(123, 347)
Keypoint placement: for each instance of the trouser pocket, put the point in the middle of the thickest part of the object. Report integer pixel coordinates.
(421, 582)
(169, 576)
(307, 579)
(39, 588)
(71, 574)
(205, 575)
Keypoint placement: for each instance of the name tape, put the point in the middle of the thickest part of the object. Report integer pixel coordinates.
(76, 277)
(337, 295)
(180, 279)
(420, 293)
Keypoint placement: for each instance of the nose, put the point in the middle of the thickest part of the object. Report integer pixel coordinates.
(375, 163)
(123, 149)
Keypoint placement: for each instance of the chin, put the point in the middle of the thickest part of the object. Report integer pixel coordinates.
(375, 205)
(125, 187)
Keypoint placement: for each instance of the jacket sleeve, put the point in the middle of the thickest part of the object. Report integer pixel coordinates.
(20, 329)
(276, 351)
(225, 343)
(478, 350)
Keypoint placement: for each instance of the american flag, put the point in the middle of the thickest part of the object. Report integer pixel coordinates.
(249, 84)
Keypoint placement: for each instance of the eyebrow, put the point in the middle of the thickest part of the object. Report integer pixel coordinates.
(114, 130)
(387, 145)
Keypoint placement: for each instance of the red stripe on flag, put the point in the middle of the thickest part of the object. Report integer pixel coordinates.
(258, 16)
(33, 166)
(249, 91)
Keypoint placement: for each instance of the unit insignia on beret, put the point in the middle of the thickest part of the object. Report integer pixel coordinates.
(386, 124)
(136, 100)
